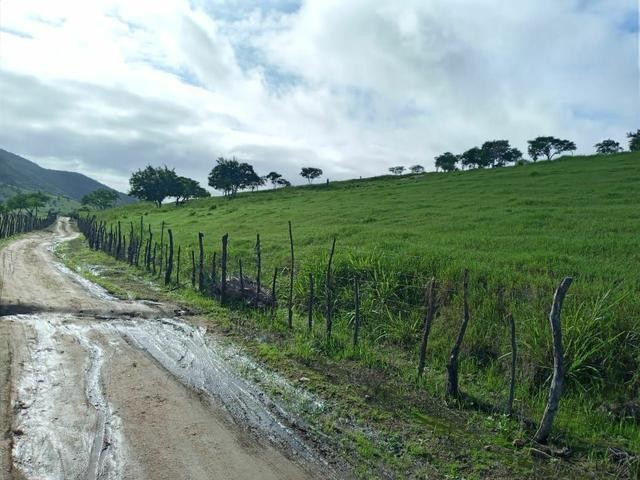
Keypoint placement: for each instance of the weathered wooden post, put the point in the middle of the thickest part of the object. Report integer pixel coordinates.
(291, 274)
(167, 276)
(178, 269)
(161, 248)
(329, 305)
(311, 300)
(514, 359)
(274, 297)
(223, 266)
(452, 364)
(201, 263)
(193, 269)
(428, 322)
(258, 268)
(214, 278)
(557, 381)
(356, 320)
(241, 277)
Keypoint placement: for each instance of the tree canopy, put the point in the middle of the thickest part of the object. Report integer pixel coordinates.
(607, 147)
(498, 153)
(230, 176)
(154, 184)
(634, 141)
(273, 177)
(310, 173)
(472, 158)
(416, 169)
(447, 162)
(189, 189)
(397, 170)
(549, 147)
(28, 202)
(101, 199)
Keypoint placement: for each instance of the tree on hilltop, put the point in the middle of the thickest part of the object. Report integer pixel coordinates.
(188, 189)
(230, 176)
(416, 169)
(549, 147)
(154, 184)
(310, 173)
(447, 162)
(634, 141)
(273, 177)
(498, 153)
(607, 147)
(472, 158)
(397, 170)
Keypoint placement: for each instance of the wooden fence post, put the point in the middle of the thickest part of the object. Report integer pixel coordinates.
(356, 321)
(178, 269)
(291, 274)
(223, 266)
(274, 297)
(452, 364)
(201, 263)
(514, 358)
(169, 271)
(428, 322)
(258, 268)
(193, 269)
(241, 276)
(161, 248)
(311, 300)
(557, 381)
(329, 305)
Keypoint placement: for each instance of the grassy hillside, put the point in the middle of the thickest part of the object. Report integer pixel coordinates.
(17, 173)
(519, 231)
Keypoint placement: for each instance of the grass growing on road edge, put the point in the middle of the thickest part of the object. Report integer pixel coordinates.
(378, 417)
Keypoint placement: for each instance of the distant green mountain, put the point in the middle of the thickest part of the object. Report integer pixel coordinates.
(66, 188)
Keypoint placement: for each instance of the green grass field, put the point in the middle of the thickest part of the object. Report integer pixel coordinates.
(518, 230)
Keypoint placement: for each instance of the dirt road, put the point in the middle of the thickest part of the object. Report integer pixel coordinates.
(93, 387)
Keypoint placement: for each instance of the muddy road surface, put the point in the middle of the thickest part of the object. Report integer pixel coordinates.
(92, 387)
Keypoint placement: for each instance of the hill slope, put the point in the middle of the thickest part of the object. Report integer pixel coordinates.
(519, 230)
(17, 173)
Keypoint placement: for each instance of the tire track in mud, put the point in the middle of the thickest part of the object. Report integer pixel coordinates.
(101, 388)
(89, 443)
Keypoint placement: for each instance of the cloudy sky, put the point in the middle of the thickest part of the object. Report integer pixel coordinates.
(107, 86)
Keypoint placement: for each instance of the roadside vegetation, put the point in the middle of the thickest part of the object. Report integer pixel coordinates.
(518, 230)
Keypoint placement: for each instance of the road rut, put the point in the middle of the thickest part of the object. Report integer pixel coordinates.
(98, 388)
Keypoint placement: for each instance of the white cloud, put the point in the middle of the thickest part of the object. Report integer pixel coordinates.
(352, 87)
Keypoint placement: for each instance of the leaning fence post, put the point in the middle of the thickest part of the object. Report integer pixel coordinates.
(428, 322)
(329, 305)
(557, 381)
(452, 365)
(291, 273)
(514, 358)
(169, 271)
